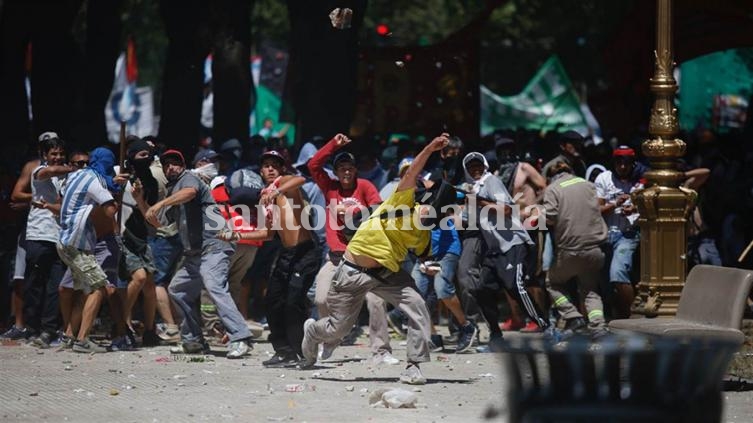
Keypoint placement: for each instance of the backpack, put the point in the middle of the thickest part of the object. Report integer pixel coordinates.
(507, 173)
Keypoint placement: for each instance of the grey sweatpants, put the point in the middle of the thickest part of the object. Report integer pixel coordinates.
(379, 337)
(586, 265)
(208, 269)
(345, 298)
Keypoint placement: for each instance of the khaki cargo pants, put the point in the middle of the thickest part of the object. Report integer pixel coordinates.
(349, 288)
(586, 266)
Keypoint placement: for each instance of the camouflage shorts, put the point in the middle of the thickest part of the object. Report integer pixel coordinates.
(87, 275)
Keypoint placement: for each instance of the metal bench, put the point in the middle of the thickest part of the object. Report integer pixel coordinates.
(712, 303)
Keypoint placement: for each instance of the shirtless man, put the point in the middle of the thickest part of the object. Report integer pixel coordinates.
(297, 264)
(526, 185)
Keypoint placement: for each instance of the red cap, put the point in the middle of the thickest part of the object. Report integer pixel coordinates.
(623, 151)
(173, 153)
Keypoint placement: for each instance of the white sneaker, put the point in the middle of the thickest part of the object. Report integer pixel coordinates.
(385, 358)
(238, 349)
(412, 375)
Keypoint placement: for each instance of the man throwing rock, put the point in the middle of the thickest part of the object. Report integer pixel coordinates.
(371, 263)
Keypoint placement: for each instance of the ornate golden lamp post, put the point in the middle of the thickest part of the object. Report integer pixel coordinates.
(664, 206)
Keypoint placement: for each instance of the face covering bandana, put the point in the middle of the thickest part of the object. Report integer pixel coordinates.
(207, 172)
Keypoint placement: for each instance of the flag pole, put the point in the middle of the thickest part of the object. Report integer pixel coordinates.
(122, 163)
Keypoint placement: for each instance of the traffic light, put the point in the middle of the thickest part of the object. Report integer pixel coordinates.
(382, 30)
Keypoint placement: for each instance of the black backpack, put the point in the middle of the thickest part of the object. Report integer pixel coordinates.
(507, 172)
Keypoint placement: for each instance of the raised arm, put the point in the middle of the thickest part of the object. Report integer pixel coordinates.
(48, 172)
(408, 180)
(316, 164)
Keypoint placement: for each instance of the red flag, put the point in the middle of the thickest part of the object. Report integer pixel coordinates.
(132, 70)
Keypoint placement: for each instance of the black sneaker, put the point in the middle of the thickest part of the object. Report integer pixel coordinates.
(15, 333)
(352, 336)
(575, 325)
(436, 344)
(467, 335)
(150, 339)
(191, 347)
(452, 339)
(44, 340)
(281, 360)
(496, 342)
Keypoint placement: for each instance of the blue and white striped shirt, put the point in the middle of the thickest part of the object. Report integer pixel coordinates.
(84, 190)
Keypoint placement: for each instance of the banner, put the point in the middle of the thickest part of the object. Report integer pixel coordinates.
(127, 102)
(714, 90)
(267, 102)
(548, 102)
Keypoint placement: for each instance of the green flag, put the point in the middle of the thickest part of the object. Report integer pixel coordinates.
(268, 106)
(548, 100)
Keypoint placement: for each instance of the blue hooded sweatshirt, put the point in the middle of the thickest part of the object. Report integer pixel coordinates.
(102, 161)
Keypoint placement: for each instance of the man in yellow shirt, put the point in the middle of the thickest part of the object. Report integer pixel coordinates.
(371, 263)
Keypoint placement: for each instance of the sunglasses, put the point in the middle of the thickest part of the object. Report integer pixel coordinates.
(80, 163)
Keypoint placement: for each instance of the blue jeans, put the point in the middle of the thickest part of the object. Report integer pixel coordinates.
(704, 251)
(443, 285)
(166, 252)
(623, 248)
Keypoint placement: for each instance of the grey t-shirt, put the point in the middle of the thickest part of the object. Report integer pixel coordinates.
(571, 203)
(500, 233)
(197, 219)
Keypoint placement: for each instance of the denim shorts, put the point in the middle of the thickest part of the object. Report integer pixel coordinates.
(166, 253)
(623, 249)
(443, 280)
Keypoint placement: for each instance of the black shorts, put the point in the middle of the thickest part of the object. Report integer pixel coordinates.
(505, 270)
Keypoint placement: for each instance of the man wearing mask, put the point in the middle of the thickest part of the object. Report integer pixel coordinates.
(86, 191)
(506, 265)
(205, 165)
(206, 259)
(449, 163)
(571, 145)
(136, 261)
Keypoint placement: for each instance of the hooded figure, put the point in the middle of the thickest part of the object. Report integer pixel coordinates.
(102, 161)
(489, 188)
(475, 183)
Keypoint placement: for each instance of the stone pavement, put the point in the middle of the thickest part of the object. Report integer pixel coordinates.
(151, 385)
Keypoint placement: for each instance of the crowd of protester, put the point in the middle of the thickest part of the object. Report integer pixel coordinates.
(526, 231)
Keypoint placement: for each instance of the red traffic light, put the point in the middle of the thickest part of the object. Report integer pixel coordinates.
(382, 29)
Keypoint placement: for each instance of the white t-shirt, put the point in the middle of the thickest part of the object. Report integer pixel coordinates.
(608, 190)
(42, 224)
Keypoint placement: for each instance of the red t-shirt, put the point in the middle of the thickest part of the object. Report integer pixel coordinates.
(364, 194)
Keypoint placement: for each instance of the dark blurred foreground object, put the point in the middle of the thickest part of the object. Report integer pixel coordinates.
(712, 303)
(619, 378)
